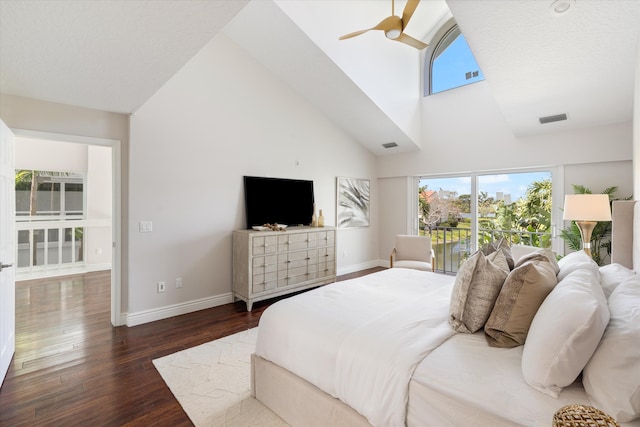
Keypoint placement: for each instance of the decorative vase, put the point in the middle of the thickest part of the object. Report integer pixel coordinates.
(321, 219)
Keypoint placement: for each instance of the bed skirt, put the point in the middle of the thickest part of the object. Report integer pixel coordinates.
(297, 401)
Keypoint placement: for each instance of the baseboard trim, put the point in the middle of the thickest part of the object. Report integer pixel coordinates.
(362, 266)
(146, 316)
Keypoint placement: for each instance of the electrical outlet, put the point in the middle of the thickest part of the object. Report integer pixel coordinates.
(178, 282)
(161, 287)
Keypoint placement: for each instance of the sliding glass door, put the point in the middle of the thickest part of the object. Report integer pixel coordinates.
(461, 213)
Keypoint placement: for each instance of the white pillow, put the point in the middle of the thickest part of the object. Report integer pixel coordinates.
(612, 275)
(612, 376)
(575, 261)
(564, 333)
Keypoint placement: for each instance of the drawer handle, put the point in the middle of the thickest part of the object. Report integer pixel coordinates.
(307, 258)
(288, 261)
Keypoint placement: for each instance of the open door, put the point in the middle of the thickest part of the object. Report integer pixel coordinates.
(7, 250)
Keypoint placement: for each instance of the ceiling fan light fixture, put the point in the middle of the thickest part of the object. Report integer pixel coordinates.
(560, 7)
(393, 33)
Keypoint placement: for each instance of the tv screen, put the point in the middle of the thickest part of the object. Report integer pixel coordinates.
(278, 200)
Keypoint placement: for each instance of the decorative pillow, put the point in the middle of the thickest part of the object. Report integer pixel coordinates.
(519, 251)
(564, 333)
(575, 261)
(546, 253)
(500, 245)
(612, 376)
(612, 275)
(475, 290)
(522, 294)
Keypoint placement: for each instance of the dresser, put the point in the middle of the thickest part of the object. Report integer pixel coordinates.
(267, 264)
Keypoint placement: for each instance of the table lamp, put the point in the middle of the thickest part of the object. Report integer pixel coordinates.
(586, 210)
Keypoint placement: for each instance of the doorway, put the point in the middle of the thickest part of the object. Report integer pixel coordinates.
(113, 242)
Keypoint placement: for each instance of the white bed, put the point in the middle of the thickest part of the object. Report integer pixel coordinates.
(343, 346)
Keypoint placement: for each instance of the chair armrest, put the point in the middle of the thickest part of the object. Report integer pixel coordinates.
(393, 254)
(433, 260)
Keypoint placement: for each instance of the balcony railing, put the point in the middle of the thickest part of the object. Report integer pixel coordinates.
(452, 245)
(47, 247)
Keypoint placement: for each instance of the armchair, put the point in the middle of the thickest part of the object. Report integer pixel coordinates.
(413, 252)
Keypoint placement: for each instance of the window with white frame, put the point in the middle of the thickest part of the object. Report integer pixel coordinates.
(449, 62)
(49, 194)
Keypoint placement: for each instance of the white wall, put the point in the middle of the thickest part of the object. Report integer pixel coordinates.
(221, 117)
(99, 205)
(385, 71)
(44, 155)
(394, 212)
(599, 176)
(464, 131)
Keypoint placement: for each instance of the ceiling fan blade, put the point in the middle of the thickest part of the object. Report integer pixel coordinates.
(407, 39)
(355, 33)
(389, 23)
(407, 13)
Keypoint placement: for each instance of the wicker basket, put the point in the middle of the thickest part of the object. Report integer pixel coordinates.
(582, 416)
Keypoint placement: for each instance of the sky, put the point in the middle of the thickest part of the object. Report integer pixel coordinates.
(450, 67)
(514, 184)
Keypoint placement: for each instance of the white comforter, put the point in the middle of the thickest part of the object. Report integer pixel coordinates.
(360, 340)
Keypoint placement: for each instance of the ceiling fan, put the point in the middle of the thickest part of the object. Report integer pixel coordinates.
(393, 26)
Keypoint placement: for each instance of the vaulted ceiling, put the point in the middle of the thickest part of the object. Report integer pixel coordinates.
(113, 56)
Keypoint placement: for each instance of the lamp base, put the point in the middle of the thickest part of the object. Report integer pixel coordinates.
(586, 228)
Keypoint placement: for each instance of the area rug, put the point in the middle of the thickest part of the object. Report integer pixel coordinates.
(212, 382)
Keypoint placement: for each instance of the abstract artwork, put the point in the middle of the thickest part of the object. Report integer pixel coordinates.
(352, 207)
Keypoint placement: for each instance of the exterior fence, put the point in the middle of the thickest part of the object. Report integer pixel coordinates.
(452, 245)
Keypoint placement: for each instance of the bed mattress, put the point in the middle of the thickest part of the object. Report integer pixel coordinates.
(466, 382)
(360, 340)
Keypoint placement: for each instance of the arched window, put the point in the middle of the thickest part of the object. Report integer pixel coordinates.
(449, 62)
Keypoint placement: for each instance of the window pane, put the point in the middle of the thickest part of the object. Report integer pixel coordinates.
(454, 65)
(38, 253)
(516, 206)
(57, 193)
(52, 254)
(24, 248)
(48, 198)
(73, 199)
(445, 214)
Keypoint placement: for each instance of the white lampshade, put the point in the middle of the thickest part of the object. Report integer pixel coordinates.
(586, 207)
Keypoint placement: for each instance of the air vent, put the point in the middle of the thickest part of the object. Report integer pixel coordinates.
(390, 145)
(551, 119)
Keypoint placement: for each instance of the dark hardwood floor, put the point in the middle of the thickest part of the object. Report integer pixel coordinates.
(71, 367)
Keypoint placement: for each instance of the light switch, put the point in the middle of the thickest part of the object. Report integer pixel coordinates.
(146, 226)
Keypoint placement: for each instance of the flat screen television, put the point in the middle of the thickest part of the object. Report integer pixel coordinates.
(278, 200)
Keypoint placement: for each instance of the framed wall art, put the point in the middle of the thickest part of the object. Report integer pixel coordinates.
(352, 206)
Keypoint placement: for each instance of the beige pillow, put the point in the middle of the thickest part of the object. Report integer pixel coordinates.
(500, 245)
(546, 253)
(519, 251)
(476, 288)
(523, 292)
